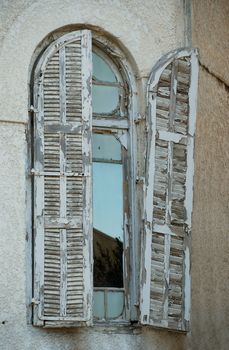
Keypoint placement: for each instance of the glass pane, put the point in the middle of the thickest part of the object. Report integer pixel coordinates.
(101, 70)
(98, 307)
(106, 147)
(108, 199)
(108, 224)
(115, 304)
(105, 99)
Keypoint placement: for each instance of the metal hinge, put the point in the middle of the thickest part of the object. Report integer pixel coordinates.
(138, 118)
(140, 180)
(32, 109)
(35, 302)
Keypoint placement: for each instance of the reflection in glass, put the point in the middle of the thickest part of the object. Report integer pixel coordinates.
(105, 99)
(108, 222)
(107, 211)
(107, 198)
(101, 70)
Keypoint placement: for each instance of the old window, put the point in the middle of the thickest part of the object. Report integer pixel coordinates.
(86, 188)
(110, 188)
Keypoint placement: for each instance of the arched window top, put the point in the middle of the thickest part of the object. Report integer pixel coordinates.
(108, 89)
(102, 70)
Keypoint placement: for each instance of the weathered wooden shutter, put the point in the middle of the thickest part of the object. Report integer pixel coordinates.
(62, 183)
(165, 285)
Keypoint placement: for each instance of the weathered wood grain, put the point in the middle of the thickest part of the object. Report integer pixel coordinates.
(165, 294)
(62, 178)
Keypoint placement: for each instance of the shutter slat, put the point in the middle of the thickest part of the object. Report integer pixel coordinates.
(165, 293)
(62, 178)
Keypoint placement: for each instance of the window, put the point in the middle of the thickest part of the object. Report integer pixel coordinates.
(110, 189)
(85, 187)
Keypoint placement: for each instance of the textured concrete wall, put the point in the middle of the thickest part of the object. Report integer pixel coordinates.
(210, 263)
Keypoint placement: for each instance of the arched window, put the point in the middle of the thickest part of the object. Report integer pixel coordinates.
(87, 241)
(82, 165)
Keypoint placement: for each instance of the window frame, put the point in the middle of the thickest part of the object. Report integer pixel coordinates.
(116, 54)
(101, 123)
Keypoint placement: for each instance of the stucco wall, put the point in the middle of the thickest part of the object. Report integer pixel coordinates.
(147, 29)
(210, 240)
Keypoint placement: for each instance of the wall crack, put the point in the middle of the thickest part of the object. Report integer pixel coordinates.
(220, 80)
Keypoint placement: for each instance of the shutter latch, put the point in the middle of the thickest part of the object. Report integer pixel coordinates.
(35, 302)
(32, 109)
(140, 180)
(138, 118)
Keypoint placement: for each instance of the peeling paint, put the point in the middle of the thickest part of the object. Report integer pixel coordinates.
(169, 178)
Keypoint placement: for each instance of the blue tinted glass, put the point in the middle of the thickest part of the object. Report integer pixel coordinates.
(101, 70)
(106, 147)
(115, 303)
(108, 199)
(98, 308)
(105, 99)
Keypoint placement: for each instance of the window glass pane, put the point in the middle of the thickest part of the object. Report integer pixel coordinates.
(108, 223)
(108, 199)
(115, 304)
(105, 99)
(98, 308)
(106, 147)
(101, 70)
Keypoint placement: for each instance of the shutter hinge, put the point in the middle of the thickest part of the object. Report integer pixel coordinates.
(138, 118)
(140, 180)
(32, 109)
(35, 302)
(147, 224)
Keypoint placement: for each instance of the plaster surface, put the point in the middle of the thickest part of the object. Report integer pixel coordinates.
(210, 236)
(211, 33)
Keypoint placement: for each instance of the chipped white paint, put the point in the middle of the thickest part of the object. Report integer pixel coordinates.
(165, 229)
(175, 152)
(193, 92)
(146, 250)
(164, 62)
(115, 124)
(122, 137)
(63, 194)
(187, 287)
(58, 228)
(170, 136)
(167, 276)
(86, 47)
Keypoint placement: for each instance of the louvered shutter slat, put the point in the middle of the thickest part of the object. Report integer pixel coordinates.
(62, 183)
(165, 293)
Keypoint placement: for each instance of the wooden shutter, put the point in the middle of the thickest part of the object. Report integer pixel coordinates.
(165, 284)
(62, 183)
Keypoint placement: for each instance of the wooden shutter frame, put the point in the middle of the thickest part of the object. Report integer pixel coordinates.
(149, 185)
(38, 301)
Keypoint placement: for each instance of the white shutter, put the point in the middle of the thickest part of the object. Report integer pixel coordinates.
(165, 284)
(62, 183)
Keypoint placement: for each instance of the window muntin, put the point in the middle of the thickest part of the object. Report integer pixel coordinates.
(108, 89)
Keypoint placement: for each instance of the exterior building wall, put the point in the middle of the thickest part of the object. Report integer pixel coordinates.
(210, 240)
(146, 30)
